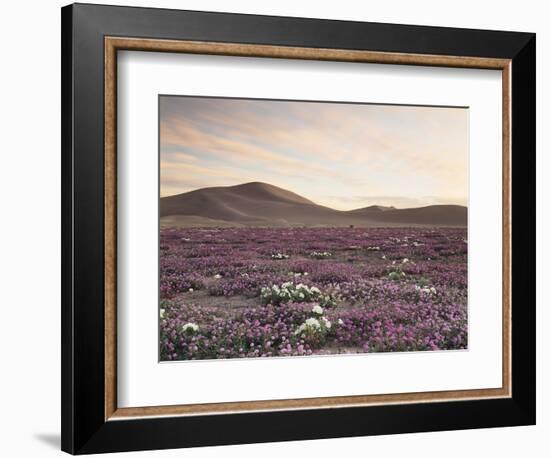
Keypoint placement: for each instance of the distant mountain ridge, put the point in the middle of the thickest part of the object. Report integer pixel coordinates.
(262, 204)
(372, 208)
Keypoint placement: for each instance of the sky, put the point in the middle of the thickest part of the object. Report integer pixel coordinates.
(341, 155)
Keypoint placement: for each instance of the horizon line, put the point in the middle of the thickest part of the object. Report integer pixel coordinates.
(315, 203)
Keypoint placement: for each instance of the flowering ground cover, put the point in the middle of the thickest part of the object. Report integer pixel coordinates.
(261, 292)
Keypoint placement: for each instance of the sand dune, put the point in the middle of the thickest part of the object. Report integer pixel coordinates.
(262, 204)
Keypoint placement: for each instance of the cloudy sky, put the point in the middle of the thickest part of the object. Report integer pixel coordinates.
(341, 155)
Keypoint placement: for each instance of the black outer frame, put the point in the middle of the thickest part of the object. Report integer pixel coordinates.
(84, 429)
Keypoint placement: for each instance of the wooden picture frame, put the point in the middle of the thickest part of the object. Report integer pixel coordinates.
(91, 37)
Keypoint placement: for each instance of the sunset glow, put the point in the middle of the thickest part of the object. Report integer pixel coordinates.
(341, 155)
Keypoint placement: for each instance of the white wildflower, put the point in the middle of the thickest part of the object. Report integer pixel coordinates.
(190, 327)
(280, 256)
(320, 254)
(217, 276)
(313, 323)
(191, 290)
(317, 309)
(426, 290)
(162, 311)
(288, 292)
(340, 321)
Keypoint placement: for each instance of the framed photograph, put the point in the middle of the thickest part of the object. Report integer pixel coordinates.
(281, 228)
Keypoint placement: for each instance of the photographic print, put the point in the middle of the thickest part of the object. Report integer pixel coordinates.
(299, 228)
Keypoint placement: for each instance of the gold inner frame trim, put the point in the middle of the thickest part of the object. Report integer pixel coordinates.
(114, 44)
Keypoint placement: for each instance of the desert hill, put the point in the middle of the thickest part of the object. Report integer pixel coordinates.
(262, 204)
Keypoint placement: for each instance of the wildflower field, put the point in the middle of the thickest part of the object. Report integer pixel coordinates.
(263, 292)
